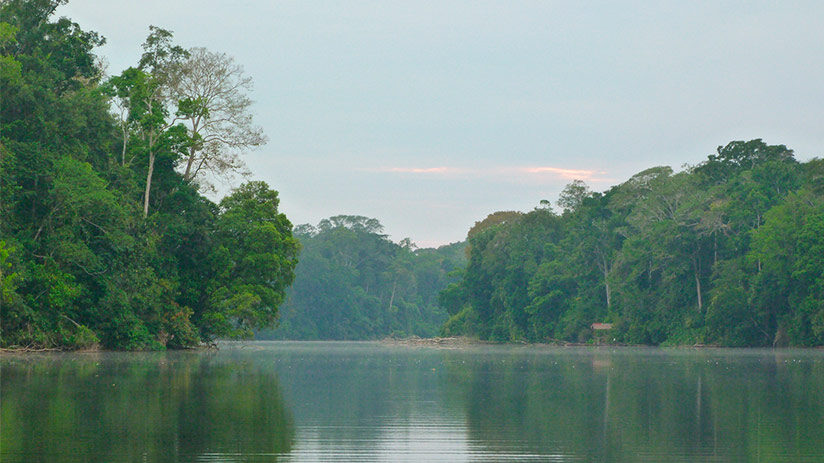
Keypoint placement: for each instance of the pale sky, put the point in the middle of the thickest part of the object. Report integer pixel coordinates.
(430, 115)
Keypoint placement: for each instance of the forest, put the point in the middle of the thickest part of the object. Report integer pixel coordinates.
(106, 237)
(352, 282)
(728, 252)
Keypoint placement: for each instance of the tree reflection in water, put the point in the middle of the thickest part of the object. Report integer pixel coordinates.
(112, 407)
(366, 401)
(644, 404)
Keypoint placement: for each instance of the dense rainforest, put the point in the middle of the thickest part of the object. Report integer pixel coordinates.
(105, 237)
(352, 282)
(728, 252)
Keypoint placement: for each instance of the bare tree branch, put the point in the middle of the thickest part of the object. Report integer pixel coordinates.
(210, 90)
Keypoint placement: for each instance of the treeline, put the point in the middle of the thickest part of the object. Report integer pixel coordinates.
(352, 282)
(104, 235)
(729, 252)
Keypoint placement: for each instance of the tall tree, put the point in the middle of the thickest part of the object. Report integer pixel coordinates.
(254, 263)
(211, 93)
(144, 91)
(78, 266)
(159, 55)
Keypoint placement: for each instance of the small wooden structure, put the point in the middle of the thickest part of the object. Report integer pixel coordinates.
(600, 332)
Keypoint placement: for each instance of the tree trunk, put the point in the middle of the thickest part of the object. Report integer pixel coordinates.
(125, 141)
(148, 185)
(606, 283)
(151, 168)
(189, 166)
(392, 298)
(698, 285)
(188, 175)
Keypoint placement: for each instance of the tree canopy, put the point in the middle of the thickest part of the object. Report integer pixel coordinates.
(354, 283)
(728, 252)
(103, 237)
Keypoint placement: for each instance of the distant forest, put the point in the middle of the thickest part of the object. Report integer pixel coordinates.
(728, 252)
(352, 282)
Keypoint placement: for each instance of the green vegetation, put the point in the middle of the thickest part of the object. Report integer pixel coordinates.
(152, 406)
(106, 239)
(603, 405)
(354, 283)
(104, 235)
(728, 252)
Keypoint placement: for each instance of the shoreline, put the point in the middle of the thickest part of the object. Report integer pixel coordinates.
(94, 350)
(464, 341)
(455, 342)
(448, 342)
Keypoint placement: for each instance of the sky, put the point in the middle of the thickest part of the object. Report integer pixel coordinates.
(430, 115)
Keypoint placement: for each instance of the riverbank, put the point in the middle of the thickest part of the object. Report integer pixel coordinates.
(465, 341)
(443, 342)
(97, 348)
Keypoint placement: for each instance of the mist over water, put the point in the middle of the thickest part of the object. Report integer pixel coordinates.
(322, 401)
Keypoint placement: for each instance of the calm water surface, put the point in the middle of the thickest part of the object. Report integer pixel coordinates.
(295, 402)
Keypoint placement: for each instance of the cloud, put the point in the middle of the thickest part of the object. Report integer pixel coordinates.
(535, 173)
(569, 174)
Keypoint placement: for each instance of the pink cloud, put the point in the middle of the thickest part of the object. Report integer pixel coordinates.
(570, 174)
(511, 173)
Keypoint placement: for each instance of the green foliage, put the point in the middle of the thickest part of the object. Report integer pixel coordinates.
(254, 263)
(7, 276)
(461, 323)
(80, 265)
(728, 252)
(573, 195)
(163, 399)
(354, 283)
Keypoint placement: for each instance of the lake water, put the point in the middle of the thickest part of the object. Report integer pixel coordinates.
(295, 402)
